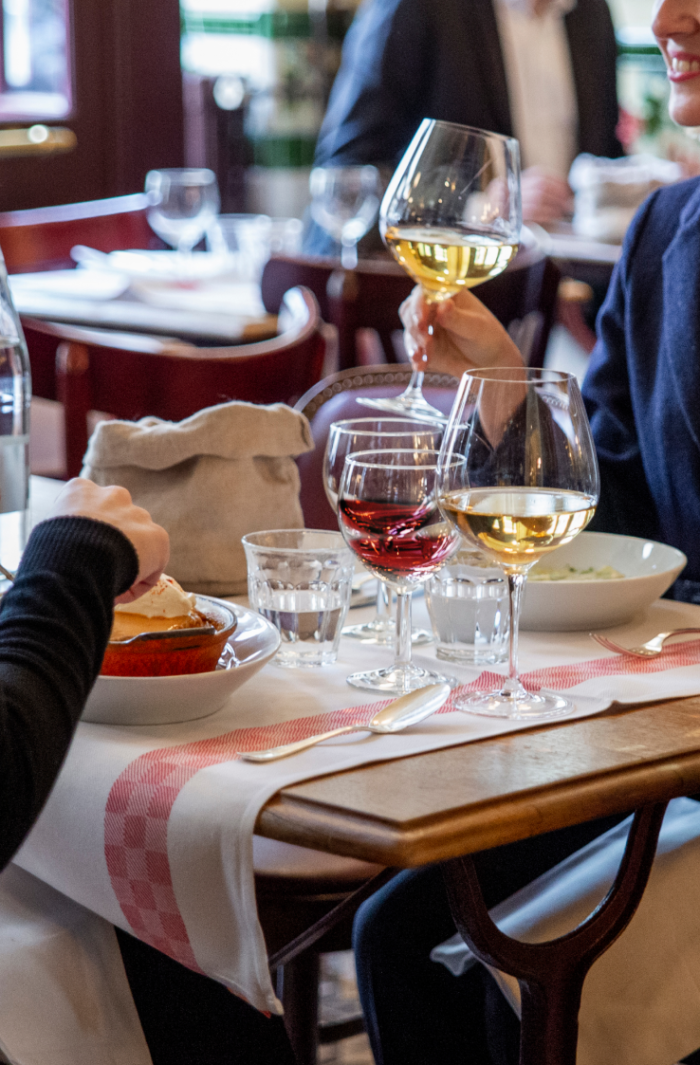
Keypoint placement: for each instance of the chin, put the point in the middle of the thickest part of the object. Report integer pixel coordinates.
(684, 107)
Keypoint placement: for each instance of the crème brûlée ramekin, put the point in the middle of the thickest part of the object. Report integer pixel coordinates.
(173, 645)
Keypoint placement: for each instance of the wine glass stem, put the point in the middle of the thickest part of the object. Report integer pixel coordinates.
(403, 629)
(414, 388)
(382, 601)
(516, 583)
(348, 255)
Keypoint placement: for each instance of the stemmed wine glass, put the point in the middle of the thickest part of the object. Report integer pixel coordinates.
(369, 434)
(451, 217)
(344, 202)
(528, 483)
(388, 513)
(183, 204)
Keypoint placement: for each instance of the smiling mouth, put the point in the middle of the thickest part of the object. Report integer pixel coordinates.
(681, 69)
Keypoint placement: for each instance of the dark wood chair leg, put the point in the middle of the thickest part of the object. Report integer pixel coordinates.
(343, 291)
(73, 391)
(300, 1001)
(551, 974)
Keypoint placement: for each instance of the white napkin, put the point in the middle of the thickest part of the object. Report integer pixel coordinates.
(64, 996)
(151, 827)
(641, 999)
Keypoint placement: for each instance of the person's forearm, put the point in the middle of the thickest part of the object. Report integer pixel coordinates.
(54, 626)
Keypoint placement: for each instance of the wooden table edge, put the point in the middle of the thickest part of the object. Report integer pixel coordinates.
(296, 815)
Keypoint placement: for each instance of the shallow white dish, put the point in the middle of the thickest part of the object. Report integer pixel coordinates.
(650, 568)
(168, 700)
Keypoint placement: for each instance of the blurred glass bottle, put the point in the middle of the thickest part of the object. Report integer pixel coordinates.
(15, 398)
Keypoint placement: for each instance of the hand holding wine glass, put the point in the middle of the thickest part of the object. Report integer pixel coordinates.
(451, 217)
(528, 483)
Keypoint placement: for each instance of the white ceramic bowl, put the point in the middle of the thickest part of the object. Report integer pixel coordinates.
(649, 569)
(168, 700)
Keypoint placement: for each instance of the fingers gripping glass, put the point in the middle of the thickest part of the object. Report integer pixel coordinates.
(451, 217)
(527, 484)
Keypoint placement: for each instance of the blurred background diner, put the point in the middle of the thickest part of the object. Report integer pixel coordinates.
(189, 192)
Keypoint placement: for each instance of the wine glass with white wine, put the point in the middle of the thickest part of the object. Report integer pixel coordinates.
(528, 482)
(451, 217)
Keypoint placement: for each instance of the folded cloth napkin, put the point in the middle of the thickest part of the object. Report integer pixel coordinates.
(64, 996)
(210, 479)
(609, 191)
(641, 999)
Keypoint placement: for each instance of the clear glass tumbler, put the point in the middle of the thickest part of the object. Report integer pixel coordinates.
(301, 581)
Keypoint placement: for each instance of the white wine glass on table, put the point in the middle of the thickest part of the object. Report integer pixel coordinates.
(370, 434)
(344, 203)
(451, 217)
(182, 205)
(388, 513)
(529, 483)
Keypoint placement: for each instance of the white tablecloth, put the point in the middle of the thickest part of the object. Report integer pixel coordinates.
(151, 828)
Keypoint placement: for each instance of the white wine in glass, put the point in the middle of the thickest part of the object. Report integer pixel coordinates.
(451, 217)
(528, 483)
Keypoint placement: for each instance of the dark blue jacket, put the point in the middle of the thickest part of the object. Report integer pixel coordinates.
(642, 389)
(405, 60)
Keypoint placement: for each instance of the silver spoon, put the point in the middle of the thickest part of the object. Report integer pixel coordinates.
(408, 710)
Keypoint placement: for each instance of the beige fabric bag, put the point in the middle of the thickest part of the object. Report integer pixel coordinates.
(210, 479)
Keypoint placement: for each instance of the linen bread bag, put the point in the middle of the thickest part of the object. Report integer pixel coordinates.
(209, 479)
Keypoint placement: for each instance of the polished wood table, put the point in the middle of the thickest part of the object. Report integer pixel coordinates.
(448, 804)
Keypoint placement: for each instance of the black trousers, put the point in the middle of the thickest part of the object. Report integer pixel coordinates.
(188, 1019)
(417, 1012)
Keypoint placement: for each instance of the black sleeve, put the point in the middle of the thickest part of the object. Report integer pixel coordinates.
(54, 626)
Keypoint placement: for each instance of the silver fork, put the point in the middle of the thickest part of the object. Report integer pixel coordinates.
(650, 649)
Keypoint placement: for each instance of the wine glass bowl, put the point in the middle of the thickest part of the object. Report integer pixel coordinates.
(367, 434)
(528, 484)
(344, 202)
(388, 514)
(451, 217)
(182, 205)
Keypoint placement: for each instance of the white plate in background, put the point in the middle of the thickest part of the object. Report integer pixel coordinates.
(168, 700)
(649, 569)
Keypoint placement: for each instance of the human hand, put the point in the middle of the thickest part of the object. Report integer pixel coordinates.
(456, 335)
(546, 198)
(113, 505)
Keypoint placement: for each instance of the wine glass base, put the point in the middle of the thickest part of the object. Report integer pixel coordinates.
(521, 705)
(383, 632)
(408, 406)
(398, 680)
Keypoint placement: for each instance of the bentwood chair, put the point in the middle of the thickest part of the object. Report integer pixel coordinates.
(334, 399)
(130, 375)
(523, 299)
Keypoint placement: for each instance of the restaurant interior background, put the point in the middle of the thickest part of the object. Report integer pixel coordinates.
(237, 85)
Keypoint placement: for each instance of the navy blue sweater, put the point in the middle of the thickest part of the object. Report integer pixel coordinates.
(642, 390)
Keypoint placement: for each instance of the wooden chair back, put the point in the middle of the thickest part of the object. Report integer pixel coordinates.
(41, 239)
(335, 398)
(130, 376)
(523, 298)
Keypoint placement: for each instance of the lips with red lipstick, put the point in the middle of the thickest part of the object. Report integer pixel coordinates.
(682, 66)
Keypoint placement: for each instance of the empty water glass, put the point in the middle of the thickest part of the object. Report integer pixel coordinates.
(301, 581)
(345, 202)
(468, 605)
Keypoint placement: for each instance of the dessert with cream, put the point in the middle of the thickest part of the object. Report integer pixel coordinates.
(164, 607)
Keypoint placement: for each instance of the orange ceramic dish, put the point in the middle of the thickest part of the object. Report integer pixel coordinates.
(176, 652)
